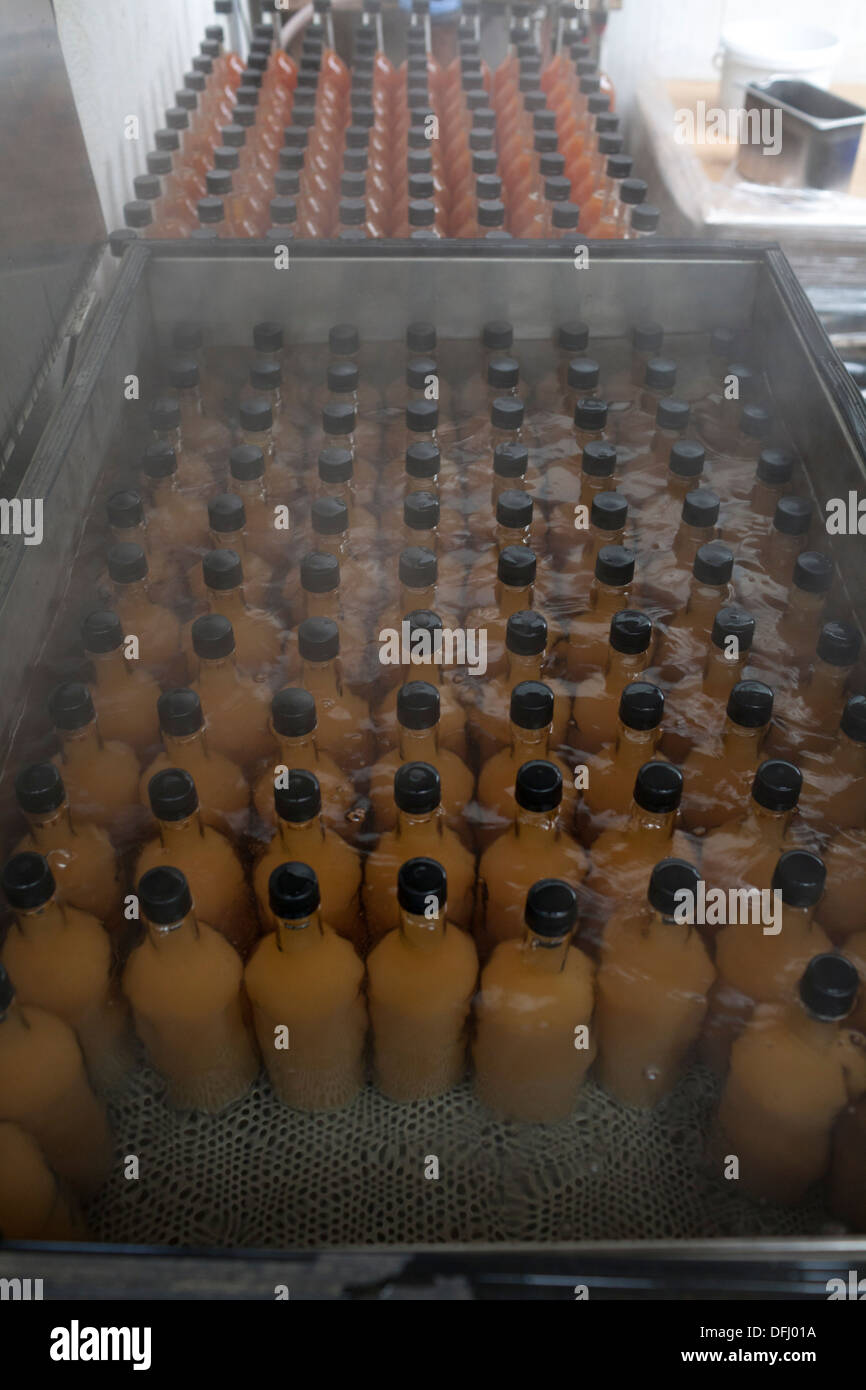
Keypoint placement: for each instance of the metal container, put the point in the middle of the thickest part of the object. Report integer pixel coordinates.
(227, 287)
(820, 136)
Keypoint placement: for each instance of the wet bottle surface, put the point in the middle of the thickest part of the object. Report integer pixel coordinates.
(81, 856)
(295, 725)
(534, 1040)
(610, 591)
(32, 1205)
(418, 723)
(235, 707)
(531, 723)
(488, 701)
(305, 984)
(100, 775)
(596, 700)
(697, 700)
(421, 981)
(612, 771)
(834, 783)
(651, 990)
(184, 983)
(424, 655)
(125, 696)
(745, 851)
(719, 773)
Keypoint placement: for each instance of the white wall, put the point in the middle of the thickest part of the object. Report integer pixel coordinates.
(677, 38)
(126, 57)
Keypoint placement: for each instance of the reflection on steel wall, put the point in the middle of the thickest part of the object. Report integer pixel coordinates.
(50, 222)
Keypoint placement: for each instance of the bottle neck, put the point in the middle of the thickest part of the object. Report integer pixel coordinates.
(607, 598)
(263, 439)
(741, 746)
(418, 745)
(80, 745)
(527, 744)
(705, 600)
(651, 825)
(421, 932)
(49, 916)
(770, 826)
(212, 670)
(688, 541)
(721, 672)
(180, 746)
(523, 668)
(851, 755)
(322, 605)
(511, 599)
(634, 747)
(176, 835)
(290, 747)
(544, 952)
(173, 935)
(189, 398)
(534, 827)
(230, 603)
(131, 594)
(412, 599)
(298, 934)
(51, 828)
(293, 831)
(321, 679)
(412, 825)
(230, 540)
(826, 684)
(678, 487)
(623, 666)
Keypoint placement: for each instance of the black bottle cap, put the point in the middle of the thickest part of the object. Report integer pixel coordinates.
(335, 465)
(320, 572)
(70, 706)
(226, 157)
(255, 414)
(497, 334)
(503, 373)
(421, 511)
(357, 137)
(127, 562)
(417, 788)
(507, 413)
(28, 881)
(516, 566)
(661, 373)
(632, 192)
(39, 788)
(611, 142)
(531, 705)
(418, 370)
(318, 639)
(614, 565)
(645, 217)
(246, 462)
(672, 414)
(339, 417)
(799, 876)
(423, 620)
(551, 908)
(166, 139)
(353, 184)
(120, 239)
(775, 467)
(755, 421)
(573, 337)
(777, 785)
(700, 508)
(491, 212)
(658, 787)
(668, 878)
(212, 637)
(422, 416)
(630, 632)
(137, 213)
(233, 136)
(293, 712)
(829, 987)
(421, 337)
(164, 413)
(792, 516)
(418, 705)
(583, 374)
(750, 704)
(421, 211)
(619, 166)
(838, 644)
(172, 794)
(330, 516)
(268, 336)
(813, 572)
(526, 633)
(598, 459)
(714, 564)
(211, 209)
(102, 631)
(301, 800)
(343, 340)
(222, 570)
(179, 712)
(419, 881)
(609, 511)
(556, 186)
(731, 621)
(590, 414)
(853, 722)
(164, 896)
(538, 786)
(147, 186)
(226, 513)
(266, 375)
(747, 381)
(418, 567)
(293, 891)
(510, 459)
(423, 459)
(514, 509)
(176, 118)
(641, 706)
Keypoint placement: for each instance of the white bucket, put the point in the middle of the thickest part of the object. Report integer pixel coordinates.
(757, 52)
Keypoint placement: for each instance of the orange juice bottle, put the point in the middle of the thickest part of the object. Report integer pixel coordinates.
(422, 629)
(745, 850)
(596, 700)
(788, 535)
(81, 857)
(258, 636)
(808, 715)
(194, 474)
(537, 842)
(305, 984)
(60, 959)
(651, 990)
(157, 629)
(719, 773)
(176, 520)
(760, 966)
(533, 1044)
(44, 1088)
(100, 775)
(421, 832)
(418, 723)
(516, 571)
(609, 593)
(567, 486)
(206, 437)
(295, 726)
(320, 595)
(665, 574)
(125, 696)
(793, 1071)
(128, 522)
(184, 982)
(235, 707)
(685, 639)
(613, 769)
(696, 701)
(659, 516)
(798, 627)
(421, 981)
(249, 480)
(608, 518)
(531, 724)
(834, 784)
(223, 792)
(302, 835)
(842, 909)
(488, 702)
(227, 521)
(207, 859)
(344, 719)
(32, 1206)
